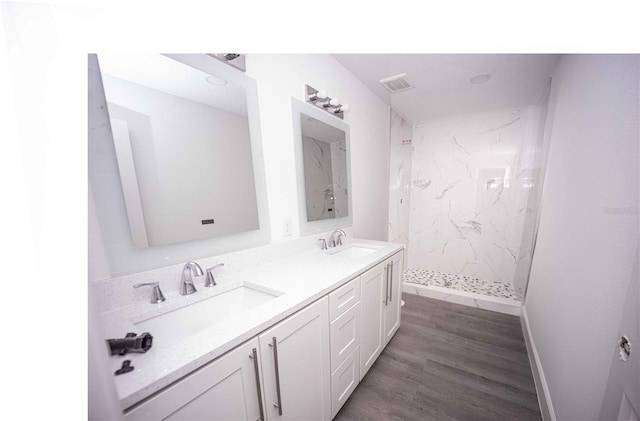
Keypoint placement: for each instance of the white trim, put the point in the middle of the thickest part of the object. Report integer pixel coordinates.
(544, 397)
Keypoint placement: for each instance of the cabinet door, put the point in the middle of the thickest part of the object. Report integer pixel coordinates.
(295, 365)
(225, 389)
(393, 295)
(372, 303)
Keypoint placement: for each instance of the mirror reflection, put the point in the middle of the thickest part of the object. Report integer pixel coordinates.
(323, 168)
(183, 148)
(324, 153)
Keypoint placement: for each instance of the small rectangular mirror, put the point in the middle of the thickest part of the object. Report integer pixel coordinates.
(324, 169)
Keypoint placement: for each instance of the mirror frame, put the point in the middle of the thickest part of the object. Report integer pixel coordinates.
(311, 227)
(122, 255)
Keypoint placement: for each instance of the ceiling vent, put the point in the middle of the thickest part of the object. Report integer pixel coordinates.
(397, 83)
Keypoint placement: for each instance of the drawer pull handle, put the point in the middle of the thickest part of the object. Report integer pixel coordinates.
(275, 362)
(386, 285)
(391, 284)
(254, 356)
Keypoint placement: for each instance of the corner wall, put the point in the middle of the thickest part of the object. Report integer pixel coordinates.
(588, 228)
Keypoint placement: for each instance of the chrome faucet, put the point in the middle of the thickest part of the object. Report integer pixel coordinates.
(186, 283)
(337, 241)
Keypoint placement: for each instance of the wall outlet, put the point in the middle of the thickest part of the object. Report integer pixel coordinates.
(287, 230)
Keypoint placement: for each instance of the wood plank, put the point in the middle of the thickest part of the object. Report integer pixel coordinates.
(448, 362)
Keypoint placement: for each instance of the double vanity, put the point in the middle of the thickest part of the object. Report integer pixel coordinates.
(287, 329)
(288, 339)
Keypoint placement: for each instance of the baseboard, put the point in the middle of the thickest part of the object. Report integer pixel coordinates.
(542, 390)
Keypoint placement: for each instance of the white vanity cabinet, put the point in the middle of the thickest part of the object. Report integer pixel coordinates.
(303, 368)
(380, 309)
(291, 359)
(225, 389)
(295, 366)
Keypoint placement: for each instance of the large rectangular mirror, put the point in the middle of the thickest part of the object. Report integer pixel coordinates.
(324, 168)
(183, 148)
(185, 134)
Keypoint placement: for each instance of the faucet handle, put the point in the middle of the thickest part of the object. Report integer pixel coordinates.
(323, 245)
(210, 281)
(157, 296)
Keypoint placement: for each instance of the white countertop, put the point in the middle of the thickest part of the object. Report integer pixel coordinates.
(301, 278)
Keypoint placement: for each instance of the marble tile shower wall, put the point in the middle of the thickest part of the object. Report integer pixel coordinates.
(471, 178)
(399, 179)
(340, 185)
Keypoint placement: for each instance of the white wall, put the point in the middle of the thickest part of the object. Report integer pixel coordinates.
(281, 77)
(588, 228)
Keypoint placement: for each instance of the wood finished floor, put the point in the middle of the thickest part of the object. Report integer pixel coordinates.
(448, 362)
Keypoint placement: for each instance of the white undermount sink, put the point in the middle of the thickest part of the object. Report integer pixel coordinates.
(354, 250)
(173, 326)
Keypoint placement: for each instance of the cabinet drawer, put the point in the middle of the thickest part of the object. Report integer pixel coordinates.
(344, 380)
(345, 335)
(343, 298)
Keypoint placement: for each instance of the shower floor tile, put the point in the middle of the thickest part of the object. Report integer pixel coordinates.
(462, 283)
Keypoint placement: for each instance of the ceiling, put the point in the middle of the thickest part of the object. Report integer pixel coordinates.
(442, 81)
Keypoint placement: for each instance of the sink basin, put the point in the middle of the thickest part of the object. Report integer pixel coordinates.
(354, 251)
(171, 327)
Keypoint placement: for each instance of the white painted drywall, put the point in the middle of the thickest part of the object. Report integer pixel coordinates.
(624, 376)
(588, 229)
(103, 403)
(281, 77)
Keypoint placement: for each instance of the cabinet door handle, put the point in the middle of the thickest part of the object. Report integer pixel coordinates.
(255, 366)
(391, 284)
(275, 362)
(386, 289)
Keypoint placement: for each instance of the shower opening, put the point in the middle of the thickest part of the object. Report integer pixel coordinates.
(465, 197)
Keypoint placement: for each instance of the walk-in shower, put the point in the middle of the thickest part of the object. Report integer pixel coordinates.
(465, 194)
